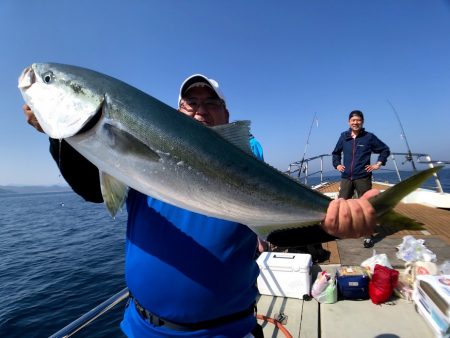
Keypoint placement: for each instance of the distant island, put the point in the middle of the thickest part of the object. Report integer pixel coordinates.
(5, 191)
(32, 189)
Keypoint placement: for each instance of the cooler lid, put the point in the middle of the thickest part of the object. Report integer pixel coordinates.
(282, 261)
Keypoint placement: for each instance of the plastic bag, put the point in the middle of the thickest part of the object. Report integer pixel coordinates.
(320, 284)
(444, 268)
(411, 250)
(421, 268)
(407, 278)
(380, 259)
(324, 289)
(382, 284)
(405, 287)
(413, 269)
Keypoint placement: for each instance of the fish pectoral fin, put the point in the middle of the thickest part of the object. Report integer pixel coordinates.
(114, 193)
(127, 144)
(388, 199)
(236, 133)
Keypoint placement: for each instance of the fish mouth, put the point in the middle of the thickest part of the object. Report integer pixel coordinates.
(27, 78)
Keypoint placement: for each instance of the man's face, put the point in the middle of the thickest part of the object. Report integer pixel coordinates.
(202, 104)
(355, 123)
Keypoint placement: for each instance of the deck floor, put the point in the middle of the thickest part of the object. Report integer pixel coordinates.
(363, 318)
(435, 233)
(435, 227)
(309, 319)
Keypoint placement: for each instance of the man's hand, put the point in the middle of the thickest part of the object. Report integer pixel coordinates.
(351, 218)
(340, 168)
(372, 167)
(31, 119)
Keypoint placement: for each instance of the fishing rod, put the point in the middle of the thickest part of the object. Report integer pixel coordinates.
(307, 142)
(409, 156)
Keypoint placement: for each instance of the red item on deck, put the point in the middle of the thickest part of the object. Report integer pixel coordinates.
(382, 284)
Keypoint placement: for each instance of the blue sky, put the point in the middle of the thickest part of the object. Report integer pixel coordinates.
(278, 63)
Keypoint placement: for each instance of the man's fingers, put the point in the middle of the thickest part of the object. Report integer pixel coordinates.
(345, 220)
(331, 222)
(358, 217)
(369, 216)
(351, 218)
(31, 118)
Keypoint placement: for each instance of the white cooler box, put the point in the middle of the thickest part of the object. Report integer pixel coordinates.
(432, 299)
(284, 274)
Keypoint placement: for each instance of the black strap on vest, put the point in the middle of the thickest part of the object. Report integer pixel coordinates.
(158, 321)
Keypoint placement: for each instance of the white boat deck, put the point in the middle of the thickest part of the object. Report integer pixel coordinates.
(309, 319)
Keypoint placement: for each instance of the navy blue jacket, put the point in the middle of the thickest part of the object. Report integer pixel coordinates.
(357, 152)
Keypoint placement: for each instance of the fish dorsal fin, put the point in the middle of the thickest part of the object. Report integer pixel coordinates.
(114, 193)
(236, 133)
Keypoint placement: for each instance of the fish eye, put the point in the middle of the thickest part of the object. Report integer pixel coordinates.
(48, 77)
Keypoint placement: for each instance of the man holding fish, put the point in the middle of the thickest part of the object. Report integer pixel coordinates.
(190, 274)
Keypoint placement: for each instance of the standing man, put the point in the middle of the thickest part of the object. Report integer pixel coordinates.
(357, 145)
(191, 275)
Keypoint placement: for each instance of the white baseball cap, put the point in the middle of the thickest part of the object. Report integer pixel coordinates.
(199, 80)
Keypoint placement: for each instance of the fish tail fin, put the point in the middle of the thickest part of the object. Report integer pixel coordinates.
(383, 204)
(397, 222)
(388, 199)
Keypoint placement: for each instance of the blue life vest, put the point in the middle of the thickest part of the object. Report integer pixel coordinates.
(187, 268)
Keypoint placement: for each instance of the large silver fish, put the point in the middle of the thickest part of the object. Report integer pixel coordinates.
(137, 141)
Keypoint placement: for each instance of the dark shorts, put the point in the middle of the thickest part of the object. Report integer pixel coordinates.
(257, 332)
(348, 187)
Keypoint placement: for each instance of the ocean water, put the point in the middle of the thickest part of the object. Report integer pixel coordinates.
(391, 176)
(60, 257)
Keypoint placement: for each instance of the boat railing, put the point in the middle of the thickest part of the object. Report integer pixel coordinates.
(92, 315)
(307, 168)
(303, 167)
(420, 159)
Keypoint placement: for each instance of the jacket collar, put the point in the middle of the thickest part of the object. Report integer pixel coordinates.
(348, 133)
